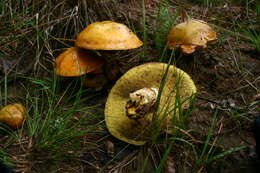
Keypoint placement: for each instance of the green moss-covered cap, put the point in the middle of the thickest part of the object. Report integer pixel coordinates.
(148, 75)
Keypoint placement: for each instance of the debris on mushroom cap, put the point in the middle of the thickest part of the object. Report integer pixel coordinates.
(141, 102)
(189, 35)
(149, 75)
(144, 96)
(107, 35)
(13, 115)
(76, 62)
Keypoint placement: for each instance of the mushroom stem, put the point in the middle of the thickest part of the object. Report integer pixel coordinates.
(141, 102)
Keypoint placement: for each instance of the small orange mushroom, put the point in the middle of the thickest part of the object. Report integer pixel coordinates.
(13, 115)
(189, 35)
(76, 62)
(107, 35)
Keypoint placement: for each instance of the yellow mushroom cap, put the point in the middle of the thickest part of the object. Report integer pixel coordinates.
(107, 35)
(190, 34)
(75, 62)
(148, 75)
(13, 115)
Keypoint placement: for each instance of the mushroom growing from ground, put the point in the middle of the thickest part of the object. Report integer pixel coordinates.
(108, 36)
(189, 35)
(13, 115)
(76, 62)
(131, 102)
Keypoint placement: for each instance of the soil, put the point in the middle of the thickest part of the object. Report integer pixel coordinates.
(225, 82)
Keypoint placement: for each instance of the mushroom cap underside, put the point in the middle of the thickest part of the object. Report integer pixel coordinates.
(107, 35)
(75, 62)
(148, 75)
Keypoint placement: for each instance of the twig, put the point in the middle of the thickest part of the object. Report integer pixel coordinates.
(201, 169)
(219, 130)
(91, 164)
(192, 138)
(208, 100)
(125, 162)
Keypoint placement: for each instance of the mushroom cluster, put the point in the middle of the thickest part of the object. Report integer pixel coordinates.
(137, 96)
(130, 105)
(189, 35)
(105, 35)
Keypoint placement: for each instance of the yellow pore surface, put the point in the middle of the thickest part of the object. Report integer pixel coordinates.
(76, 62)
(189, 35)
(148, 75)
(107, 35)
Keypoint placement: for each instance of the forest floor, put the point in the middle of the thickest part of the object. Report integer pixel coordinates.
(64, 129)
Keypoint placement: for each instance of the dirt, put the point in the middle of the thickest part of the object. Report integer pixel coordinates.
(225, 83)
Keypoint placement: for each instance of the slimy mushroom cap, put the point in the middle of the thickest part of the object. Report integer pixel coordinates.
(13, 115)
(107, 35)
(189, 35)
(75, 62)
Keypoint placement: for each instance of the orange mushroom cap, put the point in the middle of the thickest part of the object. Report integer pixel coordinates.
(107, 35)
(13, 115)
(189, 35)
(76, 62)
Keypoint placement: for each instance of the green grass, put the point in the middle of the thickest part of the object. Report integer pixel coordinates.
(254, 38)
(6, 158)
(161, 114)
(207, 154)
(50, 120)
(53, 128)
(58, 121)
(164, 22)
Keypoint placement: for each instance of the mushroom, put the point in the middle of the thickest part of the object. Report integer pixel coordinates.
(189, 35)
(108, 36)
(130, 105)
(75, 62)
(13, 115)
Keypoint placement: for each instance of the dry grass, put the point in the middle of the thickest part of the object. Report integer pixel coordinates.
(65, 131)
